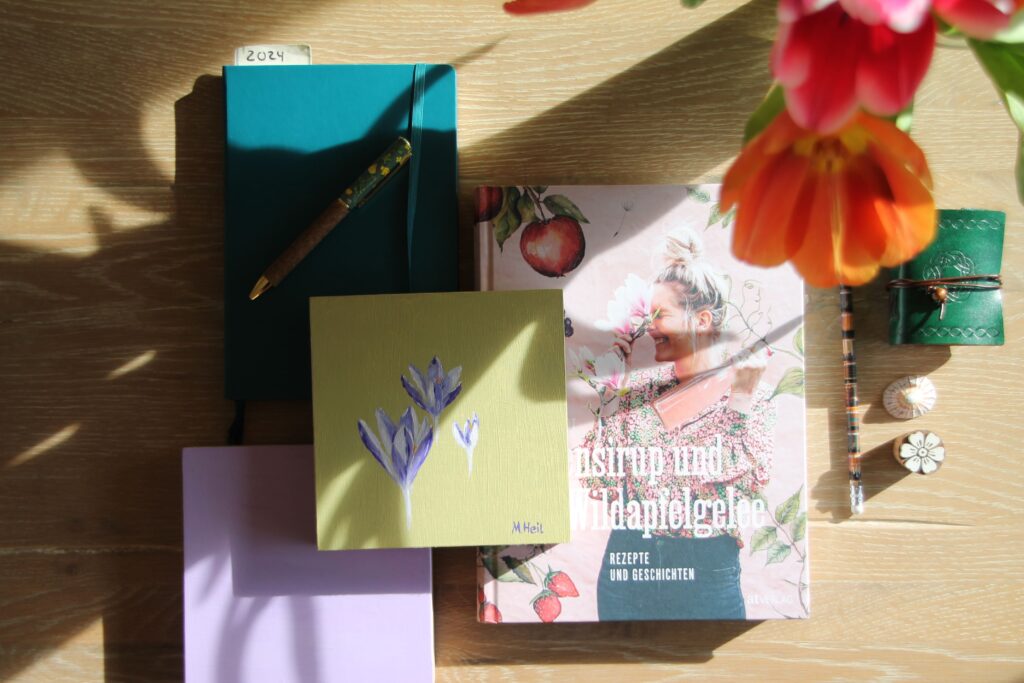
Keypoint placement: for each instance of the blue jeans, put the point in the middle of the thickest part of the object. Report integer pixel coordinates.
(707, 585)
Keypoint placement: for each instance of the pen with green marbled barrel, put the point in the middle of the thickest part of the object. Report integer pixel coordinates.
(371, 180)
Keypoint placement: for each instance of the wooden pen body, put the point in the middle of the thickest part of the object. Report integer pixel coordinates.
(304, 243)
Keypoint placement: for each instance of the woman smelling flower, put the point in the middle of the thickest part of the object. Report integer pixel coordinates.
(731, 409)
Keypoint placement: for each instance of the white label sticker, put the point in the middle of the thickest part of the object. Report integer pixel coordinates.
(263, 55)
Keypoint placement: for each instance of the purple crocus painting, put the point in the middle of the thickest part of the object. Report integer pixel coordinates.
(433, 390)
(467, 436)
(401, 448)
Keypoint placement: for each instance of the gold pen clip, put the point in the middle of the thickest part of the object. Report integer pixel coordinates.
(378, 173)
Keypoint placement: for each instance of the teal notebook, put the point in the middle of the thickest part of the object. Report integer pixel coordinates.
(296, 137)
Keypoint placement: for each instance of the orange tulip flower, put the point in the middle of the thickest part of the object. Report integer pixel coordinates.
(838, 206)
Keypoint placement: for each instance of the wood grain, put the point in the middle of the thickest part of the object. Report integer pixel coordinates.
(111, 119)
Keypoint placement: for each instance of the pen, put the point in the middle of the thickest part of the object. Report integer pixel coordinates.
(853, 454)
(371, 180)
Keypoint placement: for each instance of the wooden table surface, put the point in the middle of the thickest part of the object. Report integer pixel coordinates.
(111, 138)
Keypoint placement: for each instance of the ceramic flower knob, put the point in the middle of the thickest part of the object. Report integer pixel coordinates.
(920, 452)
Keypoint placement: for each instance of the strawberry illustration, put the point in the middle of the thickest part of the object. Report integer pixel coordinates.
(547, 606)
(489, 613)
(560, 584)
(480, 597)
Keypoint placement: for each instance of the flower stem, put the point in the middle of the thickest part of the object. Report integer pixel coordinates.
(407, 494)
(536, 200)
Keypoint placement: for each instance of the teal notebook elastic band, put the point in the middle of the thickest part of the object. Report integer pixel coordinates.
(419, 73)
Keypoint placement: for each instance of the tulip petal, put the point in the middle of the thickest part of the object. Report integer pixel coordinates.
(980, 19)
(815, 259)
(908, 211)
(764, 214)
(902, 16)
(893, 141)
(776, 138)
(790, 59)
(893, 66)
(538, 6)
(826, 98)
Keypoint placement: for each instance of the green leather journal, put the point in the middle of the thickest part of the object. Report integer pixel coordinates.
(968, 248)
(296, 137)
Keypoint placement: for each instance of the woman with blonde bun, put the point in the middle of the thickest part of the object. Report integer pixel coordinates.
(729, 407)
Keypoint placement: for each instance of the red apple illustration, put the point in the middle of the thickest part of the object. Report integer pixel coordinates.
(488, 203)
(553, 247)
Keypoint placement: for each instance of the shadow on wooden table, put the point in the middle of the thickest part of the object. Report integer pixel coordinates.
(121, 357)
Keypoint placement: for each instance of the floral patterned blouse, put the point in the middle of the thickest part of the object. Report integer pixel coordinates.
(748, 444)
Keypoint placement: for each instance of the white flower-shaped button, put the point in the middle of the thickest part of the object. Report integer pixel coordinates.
(920, 452)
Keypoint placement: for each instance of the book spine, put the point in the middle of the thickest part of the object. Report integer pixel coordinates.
(897, 308)
(483, 245)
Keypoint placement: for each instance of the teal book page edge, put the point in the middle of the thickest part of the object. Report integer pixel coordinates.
(296, 136)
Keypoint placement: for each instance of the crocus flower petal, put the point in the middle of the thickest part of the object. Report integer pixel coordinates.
(435, 371)
(420, 398)
(473, 431)
(452, 380)
(980, 19)
(380, 454)
(418, 456)
(408, 421)
(459, 436)
(537, 6)
(422, 428)
(891, 69)
(385, 426)
(400, 455)
(451, 397)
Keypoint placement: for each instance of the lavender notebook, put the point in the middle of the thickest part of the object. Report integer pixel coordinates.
(263, 604)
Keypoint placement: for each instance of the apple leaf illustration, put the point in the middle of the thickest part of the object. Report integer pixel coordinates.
(527, 214)
(762, 538)
(800, 527)
(520, 568)
(778, 552)
(791, 383)
(788, 509)
(507, 221)
(560, 205)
